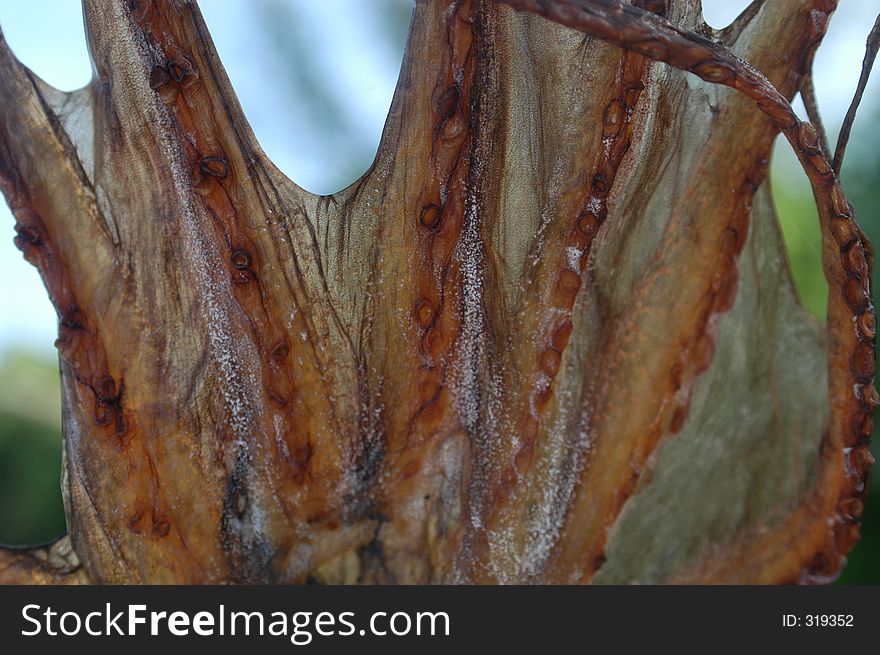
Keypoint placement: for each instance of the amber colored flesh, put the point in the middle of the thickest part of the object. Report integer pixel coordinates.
(464, 367)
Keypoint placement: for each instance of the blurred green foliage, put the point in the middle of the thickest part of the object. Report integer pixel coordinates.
(30, 449)
(796, 210)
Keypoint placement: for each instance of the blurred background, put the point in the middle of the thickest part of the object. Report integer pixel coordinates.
(296, 65)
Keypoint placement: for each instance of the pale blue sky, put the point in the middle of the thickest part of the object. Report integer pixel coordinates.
(48, 36)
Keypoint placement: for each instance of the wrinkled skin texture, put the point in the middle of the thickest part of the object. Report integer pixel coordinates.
(550, 336)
